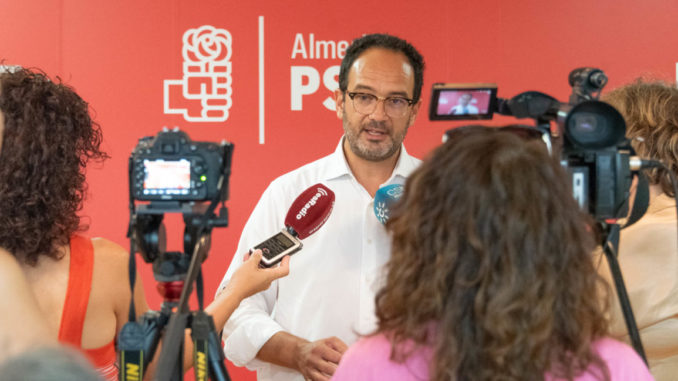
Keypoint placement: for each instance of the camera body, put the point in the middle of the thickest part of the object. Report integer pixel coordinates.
(594, 149)
(170, 173)
(172, 167)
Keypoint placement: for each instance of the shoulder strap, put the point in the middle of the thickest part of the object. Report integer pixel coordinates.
(77, 294)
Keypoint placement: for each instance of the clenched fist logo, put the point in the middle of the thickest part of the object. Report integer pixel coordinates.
(204, 92)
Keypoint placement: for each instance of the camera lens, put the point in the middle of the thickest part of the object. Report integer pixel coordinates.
(594, 125)
(588, 127)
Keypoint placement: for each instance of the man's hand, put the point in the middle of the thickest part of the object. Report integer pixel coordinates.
(318, 360)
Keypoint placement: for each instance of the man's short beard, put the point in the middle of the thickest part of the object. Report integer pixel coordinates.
(367, 154)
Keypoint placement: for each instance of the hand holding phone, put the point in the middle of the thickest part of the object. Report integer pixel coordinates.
(308, 213)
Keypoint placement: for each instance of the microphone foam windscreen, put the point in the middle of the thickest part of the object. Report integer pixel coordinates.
(310, 210)
(384, 200)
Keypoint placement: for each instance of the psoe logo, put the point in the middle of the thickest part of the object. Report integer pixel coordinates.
(203, 94)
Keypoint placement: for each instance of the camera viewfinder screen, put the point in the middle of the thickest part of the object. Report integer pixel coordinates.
(464, 102)
(167, 177)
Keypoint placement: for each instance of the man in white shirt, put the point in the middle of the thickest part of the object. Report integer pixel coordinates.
(300, 327)
(464, 107)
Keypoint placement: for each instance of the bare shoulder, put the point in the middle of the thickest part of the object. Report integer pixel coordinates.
(110, 264)
(111, 268)
(110, 252)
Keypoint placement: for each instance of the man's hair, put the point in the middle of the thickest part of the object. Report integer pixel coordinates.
(492, 265)
(651, 113)
(48, 138)
(384, 41)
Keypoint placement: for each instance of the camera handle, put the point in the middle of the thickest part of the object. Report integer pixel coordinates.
(208, 356)
(610, 248)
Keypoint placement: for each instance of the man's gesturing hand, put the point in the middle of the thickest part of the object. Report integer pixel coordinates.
(318, 360)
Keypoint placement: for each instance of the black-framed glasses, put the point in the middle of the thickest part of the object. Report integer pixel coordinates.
(366, 103)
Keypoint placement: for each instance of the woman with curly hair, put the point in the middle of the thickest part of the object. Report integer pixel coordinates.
(491, 275)
(81, 284)
(648, 249)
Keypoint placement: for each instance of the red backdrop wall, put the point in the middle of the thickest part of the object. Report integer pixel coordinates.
(119, 54)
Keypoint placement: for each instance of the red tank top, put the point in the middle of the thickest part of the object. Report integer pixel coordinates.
(75, 308)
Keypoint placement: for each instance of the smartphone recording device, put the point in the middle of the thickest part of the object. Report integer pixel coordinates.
(463, 101)
(275, 248)
(309, 211)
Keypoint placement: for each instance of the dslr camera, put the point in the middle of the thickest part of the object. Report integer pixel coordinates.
(593, 146)
(174, 174)
(172, 167)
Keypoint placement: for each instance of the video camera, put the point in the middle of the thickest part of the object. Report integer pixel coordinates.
(594, 148)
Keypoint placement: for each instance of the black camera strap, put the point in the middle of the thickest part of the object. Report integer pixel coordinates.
(132, 271)
(641, 201)
(200, 334)
(130, 340)
(131, 349)
(208, 357)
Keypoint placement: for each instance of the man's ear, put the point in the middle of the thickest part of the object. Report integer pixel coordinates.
(339, 101)
(415, 110)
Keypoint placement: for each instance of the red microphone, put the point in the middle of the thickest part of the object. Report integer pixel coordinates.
(306, 215)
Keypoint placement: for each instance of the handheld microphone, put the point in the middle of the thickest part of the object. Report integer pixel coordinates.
(384, 200)
(308, 213)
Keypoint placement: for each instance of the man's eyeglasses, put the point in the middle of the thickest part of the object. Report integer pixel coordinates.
(365, 103)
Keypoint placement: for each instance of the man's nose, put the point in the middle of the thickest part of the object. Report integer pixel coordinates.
(379, 112)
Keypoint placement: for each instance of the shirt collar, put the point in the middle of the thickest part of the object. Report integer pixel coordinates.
(338, 166)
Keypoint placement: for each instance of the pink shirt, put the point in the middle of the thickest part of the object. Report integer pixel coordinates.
(368, 359)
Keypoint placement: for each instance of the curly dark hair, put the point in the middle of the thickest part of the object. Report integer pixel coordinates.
(47, 140)
(650, 109)
(492, 265)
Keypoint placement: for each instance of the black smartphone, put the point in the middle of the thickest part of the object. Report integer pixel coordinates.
(278, 246)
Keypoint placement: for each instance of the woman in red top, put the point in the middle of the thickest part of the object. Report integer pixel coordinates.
(81, 285)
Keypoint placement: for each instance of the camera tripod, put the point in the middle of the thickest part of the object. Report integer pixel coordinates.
(610, 241)
(138, 341)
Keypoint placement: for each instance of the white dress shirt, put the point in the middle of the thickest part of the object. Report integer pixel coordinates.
(333, 279)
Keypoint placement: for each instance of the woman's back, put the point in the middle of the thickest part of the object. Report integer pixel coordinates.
(85, 295)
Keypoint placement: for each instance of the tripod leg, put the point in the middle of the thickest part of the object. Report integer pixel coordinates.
(171, 363)
(610, 250)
